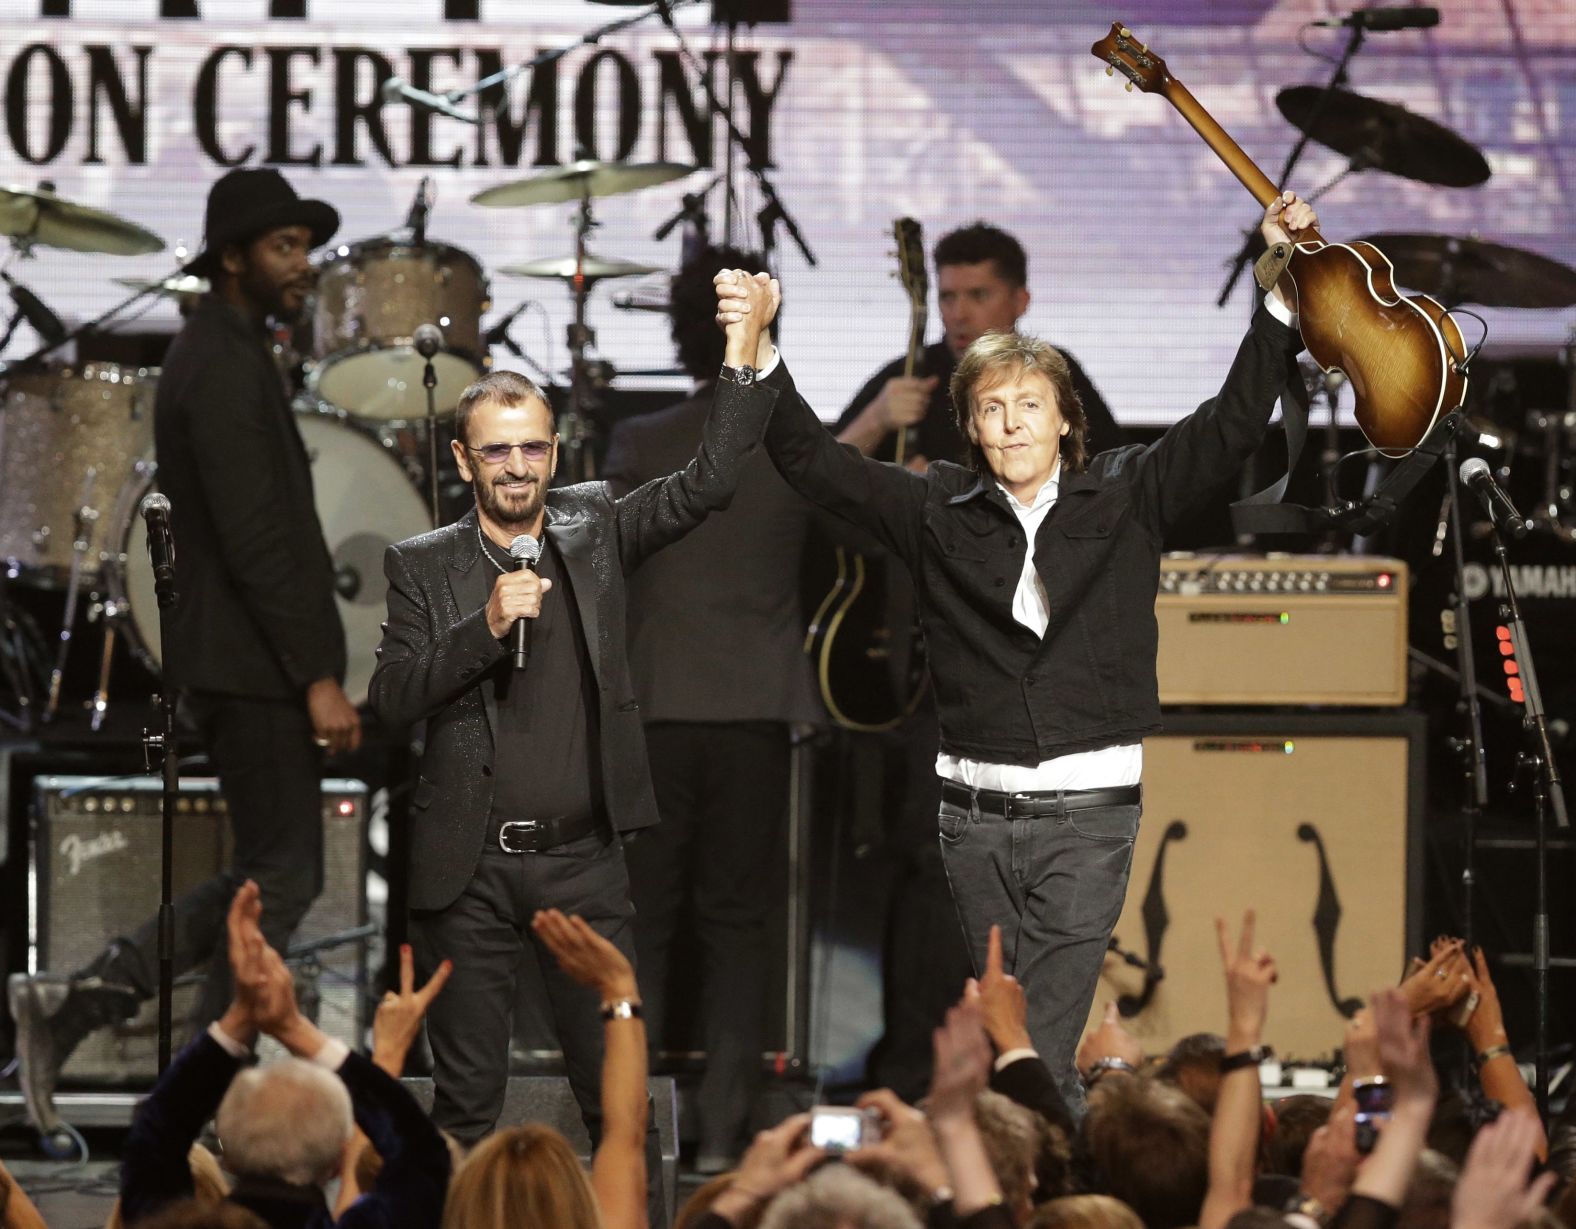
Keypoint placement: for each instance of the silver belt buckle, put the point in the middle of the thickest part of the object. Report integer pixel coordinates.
(520, 827)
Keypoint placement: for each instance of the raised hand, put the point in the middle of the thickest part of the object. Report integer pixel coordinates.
(1493, 1191)
(585, 955)
(1361, 1049)
(1329, 1166)
(1003, 1007)
(1440, 981)
(907, 1145)
(1403, 1048)
(1250, 972)
(778, 1158)
(962, 1062)
(399, 1015)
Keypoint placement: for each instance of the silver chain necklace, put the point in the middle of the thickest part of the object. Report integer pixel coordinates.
(502, 571)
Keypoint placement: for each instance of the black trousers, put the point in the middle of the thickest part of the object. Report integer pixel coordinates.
(270, 773)
(722, 790)
(486, 932)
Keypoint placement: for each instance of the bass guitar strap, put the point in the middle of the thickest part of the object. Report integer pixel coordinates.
(1264, 511)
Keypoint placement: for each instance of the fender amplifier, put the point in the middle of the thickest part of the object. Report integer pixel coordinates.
(1282, 629)
(95, 876)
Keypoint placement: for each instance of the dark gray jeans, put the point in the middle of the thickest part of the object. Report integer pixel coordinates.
(1055, 886)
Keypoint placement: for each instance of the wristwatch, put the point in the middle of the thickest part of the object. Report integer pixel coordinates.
(1244, 1058)
(621, 1009)
(1308, 1206)
(1102, 1066)
(743, 375)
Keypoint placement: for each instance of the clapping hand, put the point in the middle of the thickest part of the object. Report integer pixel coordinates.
(1493, 1191)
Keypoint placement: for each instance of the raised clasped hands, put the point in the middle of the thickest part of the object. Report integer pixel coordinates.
(746, 305)
(265, 999)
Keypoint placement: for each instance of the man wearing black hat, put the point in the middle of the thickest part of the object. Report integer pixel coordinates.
(256, 647)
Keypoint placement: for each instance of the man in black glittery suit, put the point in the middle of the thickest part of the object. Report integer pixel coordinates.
(531, 777)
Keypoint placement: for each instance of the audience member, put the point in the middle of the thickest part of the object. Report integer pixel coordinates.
(528, 1175)
(287, 1125)
(1296, 1120)
(839, 1197)
(1146, 1143)
(196, 1214)
(1085, 1212)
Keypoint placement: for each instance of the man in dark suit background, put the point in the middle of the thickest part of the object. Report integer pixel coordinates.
(531, 776)
(716, 635)
(256, 647)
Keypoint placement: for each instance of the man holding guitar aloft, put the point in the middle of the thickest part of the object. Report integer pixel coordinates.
(1036, 572)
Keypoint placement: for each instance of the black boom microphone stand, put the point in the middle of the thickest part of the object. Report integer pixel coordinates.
(1548, 790)
(428, 340)
(155, 511)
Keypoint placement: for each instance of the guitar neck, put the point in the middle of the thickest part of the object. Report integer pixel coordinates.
(1226, 149)
(908, 438)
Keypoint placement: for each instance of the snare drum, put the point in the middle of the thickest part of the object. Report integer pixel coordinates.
(69, 436)
(370, 301)
(364, 501)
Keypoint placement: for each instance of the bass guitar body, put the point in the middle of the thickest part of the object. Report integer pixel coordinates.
(868, 663)
(1401, 353)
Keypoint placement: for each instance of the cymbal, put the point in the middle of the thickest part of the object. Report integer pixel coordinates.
(1456, 270)
(170, 287)
(1385, 136)
(562, 268)
(39, 217)
(580, 179)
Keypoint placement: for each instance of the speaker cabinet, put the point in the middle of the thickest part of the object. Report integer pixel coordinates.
(1312, 821)
(95, 876)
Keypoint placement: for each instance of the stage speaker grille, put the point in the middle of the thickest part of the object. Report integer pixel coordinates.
(1314, 822)
(95, 876)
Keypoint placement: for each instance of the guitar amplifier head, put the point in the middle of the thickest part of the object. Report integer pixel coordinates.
(95, 877)
(1282, 629)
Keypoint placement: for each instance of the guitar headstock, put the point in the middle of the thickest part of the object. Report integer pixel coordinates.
(1122, 52)
(911, 269)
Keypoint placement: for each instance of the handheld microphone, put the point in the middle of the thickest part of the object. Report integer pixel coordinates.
(395, 89)
(416, 219)
(1475, 474)
(155, 510)
(1382, 19)
(497, 333)
(428, 340)
(525, 550)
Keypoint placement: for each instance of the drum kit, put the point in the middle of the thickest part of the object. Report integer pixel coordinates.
(76, 439)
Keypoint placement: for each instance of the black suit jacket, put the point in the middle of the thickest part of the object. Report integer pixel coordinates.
(716, 625)
(438, 656)
(256, 614)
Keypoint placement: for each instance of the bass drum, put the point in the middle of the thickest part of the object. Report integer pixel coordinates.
(364, 501)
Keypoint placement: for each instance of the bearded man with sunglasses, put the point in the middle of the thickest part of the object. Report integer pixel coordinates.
(531, 776)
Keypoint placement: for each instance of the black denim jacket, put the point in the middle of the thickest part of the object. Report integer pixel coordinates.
(1005, 695)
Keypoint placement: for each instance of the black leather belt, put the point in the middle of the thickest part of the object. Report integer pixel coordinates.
(1040, 804)
(535, 835)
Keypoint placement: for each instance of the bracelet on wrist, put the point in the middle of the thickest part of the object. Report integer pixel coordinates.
(621, 1009)
(1496, 1051)
(1242, 1059)
(1101, 1067)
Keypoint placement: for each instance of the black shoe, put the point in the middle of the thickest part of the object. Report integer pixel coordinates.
(53, 1015)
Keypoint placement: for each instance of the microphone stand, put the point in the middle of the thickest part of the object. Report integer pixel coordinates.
(1468, 745)
(725, 112)
(1548, 795)
(1244, 256)
(429, 381)
(170, 784)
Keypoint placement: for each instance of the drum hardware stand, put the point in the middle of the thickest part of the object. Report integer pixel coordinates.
(86, 519)
(577, 426)
(167, 745)
(1548, 795)
(735, 136)
(14, 665)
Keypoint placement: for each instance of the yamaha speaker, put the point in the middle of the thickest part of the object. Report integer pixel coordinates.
(95, 876)
(1315, 823)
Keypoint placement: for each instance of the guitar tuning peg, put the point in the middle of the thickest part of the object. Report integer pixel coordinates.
(1110, 70)
(1129, 87)
(1126, 33)
(1143, 48)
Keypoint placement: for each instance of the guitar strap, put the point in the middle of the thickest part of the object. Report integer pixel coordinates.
(1263, 511)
